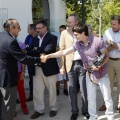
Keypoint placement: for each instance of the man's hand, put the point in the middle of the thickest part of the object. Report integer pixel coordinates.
(94, 68)
(43, 58)
(108, 42)
(62, 71)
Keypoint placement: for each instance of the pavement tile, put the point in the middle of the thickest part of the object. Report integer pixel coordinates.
(64, 108)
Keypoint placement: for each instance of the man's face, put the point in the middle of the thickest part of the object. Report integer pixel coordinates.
(29, 30)
(71, 22)
(15, 31)
(78, 36)
(115, 25)
(41, 29)
(61, 29)
(32, 32)
(89, 29)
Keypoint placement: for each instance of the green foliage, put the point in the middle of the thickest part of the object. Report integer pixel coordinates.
(73, 8)
(92, 13)
(37, 10)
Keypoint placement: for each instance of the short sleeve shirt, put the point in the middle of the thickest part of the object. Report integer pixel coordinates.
(89, 53)
(115, 37)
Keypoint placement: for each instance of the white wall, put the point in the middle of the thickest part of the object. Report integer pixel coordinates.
(57, 14)
(22, 11)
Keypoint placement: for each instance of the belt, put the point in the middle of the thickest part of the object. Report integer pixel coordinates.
(114, 58)
(88, 71)
(77, 60)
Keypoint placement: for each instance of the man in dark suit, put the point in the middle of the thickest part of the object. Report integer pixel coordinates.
(10, 53)
(45, 76)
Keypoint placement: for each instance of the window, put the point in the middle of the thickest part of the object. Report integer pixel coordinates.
(3, 17)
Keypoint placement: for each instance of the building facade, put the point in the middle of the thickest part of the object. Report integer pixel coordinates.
(30, 11)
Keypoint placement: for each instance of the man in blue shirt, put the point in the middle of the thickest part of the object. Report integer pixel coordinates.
(31, 69)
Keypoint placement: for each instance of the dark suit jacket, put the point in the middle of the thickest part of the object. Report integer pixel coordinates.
(48, 46)
(10, 53)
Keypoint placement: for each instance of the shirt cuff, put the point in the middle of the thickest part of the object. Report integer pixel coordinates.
(118, 44)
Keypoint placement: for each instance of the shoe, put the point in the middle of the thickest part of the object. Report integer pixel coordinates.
(17, 101)
(65, 91)
(52, 113)
(36, 115)
(103, 108)
(86, 115)
(118, 110)
(74, 116)
(58, 92)
(29, 99)
(25, 111)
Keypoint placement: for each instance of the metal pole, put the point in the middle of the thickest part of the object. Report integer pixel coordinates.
(83, 12)
(100, 25)
(99, 21)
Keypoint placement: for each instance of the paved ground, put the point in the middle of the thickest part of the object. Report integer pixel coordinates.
(64, 111)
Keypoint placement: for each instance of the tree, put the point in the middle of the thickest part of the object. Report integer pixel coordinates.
(108, 9)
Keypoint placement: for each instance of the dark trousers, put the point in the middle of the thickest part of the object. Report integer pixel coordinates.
(30, 72)
(21, 91)
(8, 103)
(77, 72)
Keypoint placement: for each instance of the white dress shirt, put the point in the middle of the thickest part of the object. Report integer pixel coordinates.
(115, 37)
(76, 54)
(41, 39)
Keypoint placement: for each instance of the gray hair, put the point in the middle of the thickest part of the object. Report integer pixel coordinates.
(10, 23)
(76, 17)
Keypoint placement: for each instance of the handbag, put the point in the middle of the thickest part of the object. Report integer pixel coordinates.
(96, 63)
(99, 60)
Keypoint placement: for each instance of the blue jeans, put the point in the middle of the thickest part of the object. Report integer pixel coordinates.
(77, 73)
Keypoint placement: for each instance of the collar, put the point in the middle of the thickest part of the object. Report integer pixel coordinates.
(42, 37)
(12, 35)
(89, 41)
(70, 32)
(117, 31)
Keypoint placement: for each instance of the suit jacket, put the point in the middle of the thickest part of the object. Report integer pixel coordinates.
(10, 53)
(48, 46)
(28, 41)
(66, 41)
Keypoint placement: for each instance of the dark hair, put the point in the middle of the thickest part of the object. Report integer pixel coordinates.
(79, 28)
(43, 22)
(32, 26)
(4, 25)
(116, 17)
(62, 26)
(75, 16)
(10, 23)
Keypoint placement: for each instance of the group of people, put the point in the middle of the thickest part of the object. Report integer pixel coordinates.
(76, 52)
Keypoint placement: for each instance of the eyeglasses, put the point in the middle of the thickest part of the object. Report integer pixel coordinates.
(39, 28)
